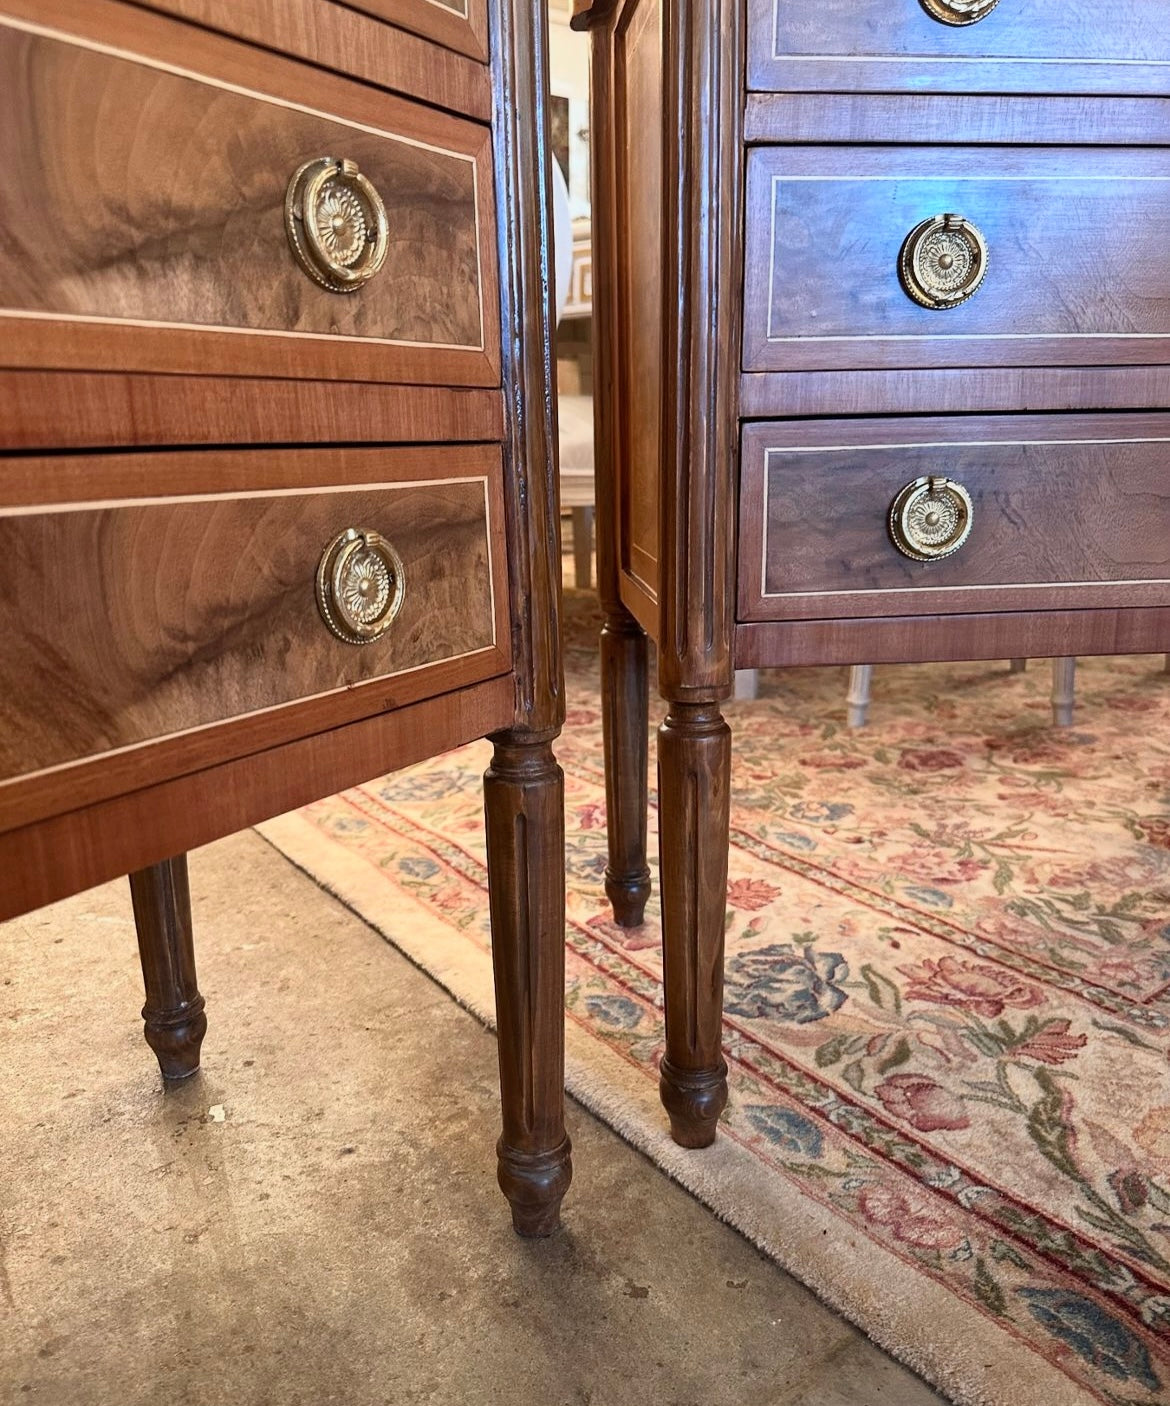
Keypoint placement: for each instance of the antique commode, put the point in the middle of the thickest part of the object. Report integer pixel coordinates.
(883, 318)
(277, 496)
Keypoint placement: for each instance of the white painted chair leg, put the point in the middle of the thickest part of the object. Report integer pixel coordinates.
(747, 684)
(857, 699)
(582, 547)
(1018, 666)
(1064, 684)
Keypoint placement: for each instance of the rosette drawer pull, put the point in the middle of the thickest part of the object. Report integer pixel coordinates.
(959, 11)
(931, 518)
(943, 261)
(360, 586)
(336, 224)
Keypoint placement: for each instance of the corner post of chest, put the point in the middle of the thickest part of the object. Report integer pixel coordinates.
(524, 786)
(702, 227)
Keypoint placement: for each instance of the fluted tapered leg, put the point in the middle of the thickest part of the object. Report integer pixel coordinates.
(694, 781)
(625, 701)
(173, 1013)
(1064, 691)
(524, 801)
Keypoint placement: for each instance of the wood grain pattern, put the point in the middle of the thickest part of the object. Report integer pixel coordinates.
(65, 853)
(166, 199)
(1075, 273)
(1033, 634)
(625, 686)
(459, 24)
(703, 309)
(955, 119)
(524, 807)
(875, 46)
(953, 391)
(106, 409)
(1069, 512)
(132, 622)
(694, 791)
(355, 45)
(639, 151)
(524, 788)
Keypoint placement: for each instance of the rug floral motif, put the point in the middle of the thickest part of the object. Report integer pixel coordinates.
(947, 985)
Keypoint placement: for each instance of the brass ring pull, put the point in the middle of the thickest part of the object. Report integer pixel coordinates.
(959, 11)
(931, 518)
(361, 585)
(943, 261)
(336, 224)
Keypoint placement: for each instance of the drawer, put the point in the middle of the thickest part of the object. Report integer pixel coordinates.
(459, 24)
(1064, 512)
(936, 46)
(846, 248)
(144, 226)
(342, 38)
(175, 604)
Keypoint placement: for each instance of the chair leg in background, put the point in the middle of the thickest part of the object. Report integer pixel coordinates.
(857, 698)
(1064, 682)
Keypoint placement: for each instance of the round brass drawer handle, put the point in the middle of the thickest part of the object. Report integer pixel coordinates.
(943, 261)
(959, 11)
(336, 224)
(361, 585)
(931, 518)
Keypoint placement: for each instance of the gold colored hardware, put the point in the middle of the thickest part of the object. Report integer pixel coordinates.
(959, 11)
(336, 224)
(361, 584)
(931, 518)
(943, 261)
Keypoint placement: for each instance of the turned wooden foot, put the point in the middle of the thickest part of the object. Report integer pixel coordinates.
(524, 796)
(694, 781)
(625, 702)
(173, 1013)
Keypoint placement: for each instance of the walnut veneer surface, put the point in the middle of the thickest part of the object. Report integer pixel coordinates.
(245, 455)
(772, 184)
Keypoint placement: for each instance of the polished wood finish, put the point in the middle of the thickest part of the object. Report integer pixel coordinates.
(167, 204)
(1069, 511)
(336, 37)
(875, 46)
(174, 1010)
(201, 410)
(73, 850)
(1075, 273)
(172, 679)
(459, 24)
(524, 789)
(860, 119)
(138, 621)
(524, 799)
(953, 390)
(953, 119)
(694, 798)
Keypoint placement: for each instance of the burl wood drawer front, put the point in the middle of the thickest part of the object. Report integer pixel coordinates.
(1067, 512)
(1073, 267)
(143, 221)
(186, 601)
(900, 45)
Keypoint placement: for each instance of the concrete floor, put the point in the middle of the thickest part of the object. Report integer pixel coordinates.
(314, 1218)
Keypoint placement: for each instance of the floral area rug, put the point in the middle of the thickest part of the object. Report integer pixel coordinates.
(948, 993)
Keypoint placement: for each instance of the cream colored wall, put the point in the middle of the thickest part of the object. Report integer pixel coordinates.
(569, 78)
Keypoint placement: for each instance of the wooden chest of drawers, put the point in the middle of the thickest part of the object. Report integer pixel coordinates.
(882, 315)
(276, 513)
